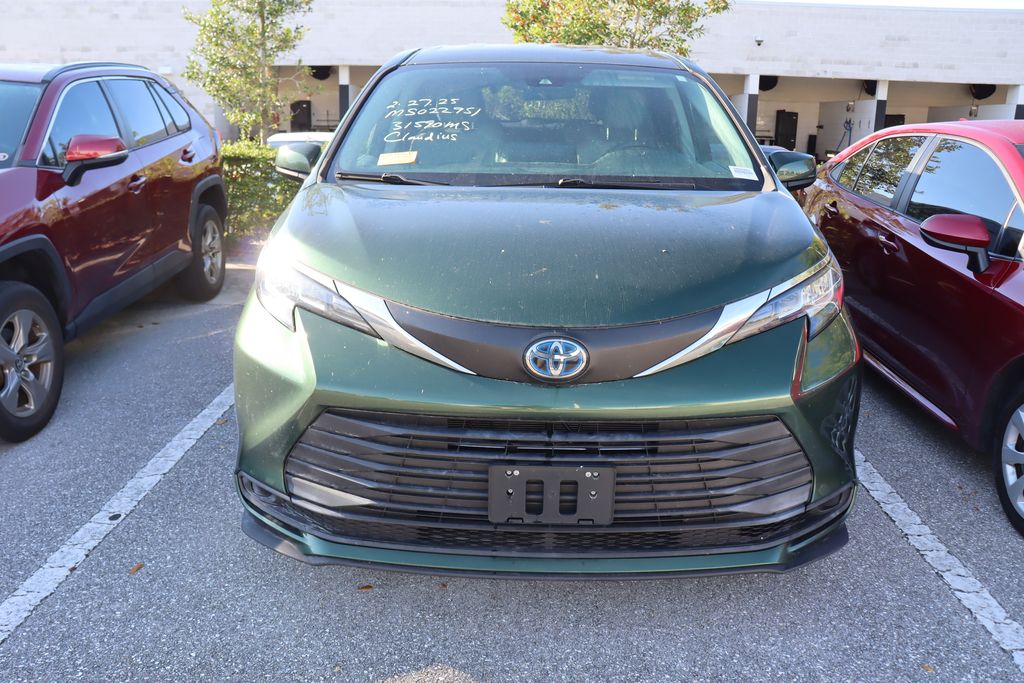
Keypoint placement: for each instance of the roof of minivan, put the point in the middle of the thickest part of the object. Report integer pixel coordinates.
(530, 52)
(44, 73)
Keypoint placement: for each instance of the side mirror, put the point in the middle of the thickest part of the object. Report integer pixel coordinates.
(795, 169)
(91, 151)
(295, 161)
(960, 233)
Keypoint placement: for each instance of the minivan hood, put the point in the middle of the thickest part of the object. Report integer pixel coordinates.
(553, 257)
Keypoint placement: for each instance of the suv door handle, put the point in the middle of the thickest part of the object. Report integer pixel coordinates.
(188, 154)
(889, 245)
(136, 184)
(832, 209)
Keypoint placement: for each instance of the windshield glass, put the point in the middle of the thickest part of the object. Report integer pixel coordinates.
(17, 102)
(519, 123)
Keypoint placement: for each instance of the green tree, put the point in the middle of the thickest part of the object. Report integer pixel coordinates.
(233, 58)
(667, 25)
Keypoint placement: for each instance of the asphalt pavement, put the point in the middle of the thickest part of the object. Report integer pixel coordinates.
(174, 591)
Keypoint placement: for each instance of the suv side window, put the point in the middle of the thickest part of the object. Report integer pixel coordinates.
(960, 177)
(884, 169)
(136, 104)
(178, 113)
(83, 110)
(851, 168)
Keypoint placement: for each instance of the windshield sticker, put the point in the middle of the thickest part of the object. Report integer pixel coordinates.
(3, 156)
(743, 173)
(395, 158)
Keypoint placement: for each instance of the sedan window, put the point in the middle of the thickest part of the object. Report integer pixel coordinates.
(884, 169)
(1009, 242)
(851, 168)
(960, 177)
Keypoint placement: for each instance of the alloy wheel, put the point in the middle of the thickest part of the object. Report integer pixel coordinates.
(213, 256)
(26, 363)
(1013, 460)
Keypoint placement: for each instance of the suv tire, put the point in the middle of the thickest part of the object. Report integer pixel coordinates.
(31, 361)
(204, 277)
(1008, 458)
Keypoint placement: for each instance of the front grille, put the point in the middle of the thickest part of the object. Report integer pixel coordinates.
(422, 481)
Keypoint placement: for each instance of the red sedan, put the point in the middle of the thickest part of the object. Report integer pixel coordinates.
(926, 221)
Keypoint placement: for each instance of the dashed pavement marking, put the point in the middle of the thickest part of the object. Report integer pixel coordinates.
(58, 566)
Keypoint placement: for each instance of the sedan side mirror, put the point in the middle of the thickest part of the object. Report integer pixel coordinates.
(795, 169)
(91, 151)
(961, 233)
(295, 161)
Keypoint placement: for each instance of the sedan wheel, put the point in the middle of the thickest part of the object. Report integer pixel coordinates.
(26, 362)
(1012, 462)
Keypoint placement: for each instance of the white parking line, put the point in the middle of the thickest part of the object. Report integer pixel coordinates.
(19, 604)
(967, 589)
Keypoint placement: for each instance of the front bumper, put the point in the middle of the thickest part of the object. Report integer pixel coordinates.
(286, 381)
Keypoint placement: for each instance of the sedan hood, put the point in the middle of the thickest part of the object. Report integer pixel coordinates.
(553, 257)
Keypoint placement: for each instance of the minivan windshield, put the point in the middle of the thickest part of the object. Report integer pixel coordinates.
(17, 102)
(571, 125)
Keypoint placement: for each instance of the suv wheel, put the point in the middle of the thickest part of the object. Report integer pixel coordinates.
(31, 361)
(1008, 459)
(204, 277)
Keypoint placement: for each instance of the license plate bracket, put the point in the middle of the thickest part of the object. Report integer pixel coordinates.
(570, 496)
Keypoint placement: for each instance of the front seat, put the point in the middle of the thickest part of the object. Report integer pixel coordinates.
(625, 122)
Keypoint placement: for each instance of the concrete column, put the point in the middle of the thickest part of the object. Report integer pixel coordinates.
(343, 90)
(1015, 98)
(750, 90)
(881, 98)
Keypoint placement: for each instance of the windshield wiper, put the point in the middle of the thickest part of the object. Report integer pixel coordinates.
(624, 184)
(390, 178)
(606, 184)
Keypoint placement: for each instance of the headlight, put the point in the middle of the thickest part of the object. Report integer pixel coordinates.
(820, 298)
(283, 285)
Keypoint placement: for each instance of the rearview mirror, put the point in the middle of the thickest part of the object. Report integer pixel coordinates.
(91, 151)
(795, 169)
(295, 161)
(960, 233)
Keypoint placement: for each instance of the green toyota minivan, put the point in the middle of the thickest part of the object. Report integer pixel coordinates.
(541, 310)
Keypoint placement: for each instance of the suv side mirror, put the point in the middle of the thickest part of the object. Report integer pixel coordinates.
(91, 151)
(960, 233)
(295, 161)
(795, 169)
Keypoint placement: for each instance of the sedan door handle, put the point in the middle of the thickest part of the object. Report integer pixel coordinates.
(136, 184)
(832, 209)
(188, 154)
(889, 245)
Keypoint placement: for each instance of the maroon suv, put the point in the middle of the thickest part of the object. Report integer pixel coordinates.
(927, 222)
(110, 184)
